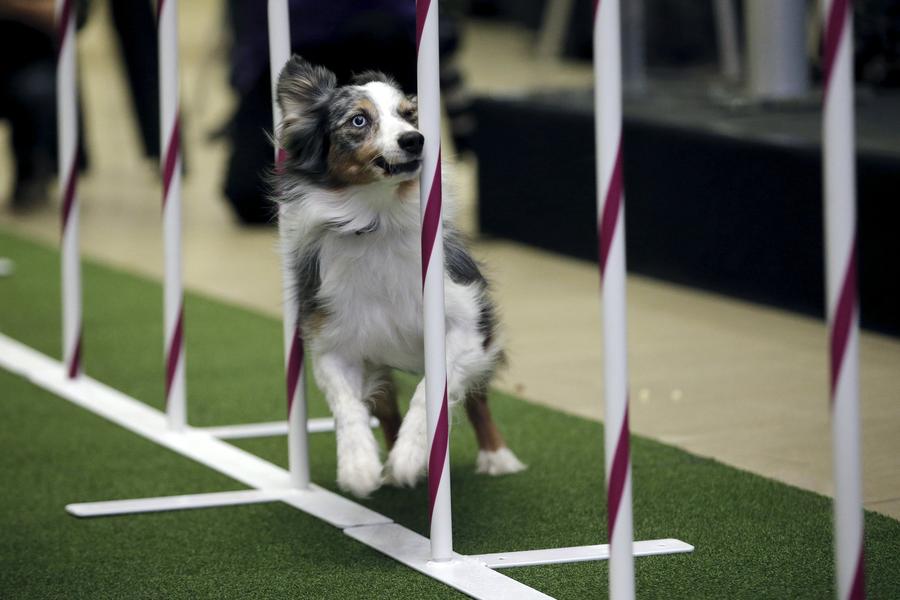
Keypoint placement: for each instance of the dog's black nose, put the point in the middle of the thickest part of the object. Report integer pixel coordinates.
(411, 141)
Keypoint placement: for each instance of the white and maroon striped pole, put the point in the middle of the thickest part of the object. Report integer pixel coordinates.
(67, 138)
(170, 142)
(839, 174)
(610, 207)
(295, 373)
(429, 92)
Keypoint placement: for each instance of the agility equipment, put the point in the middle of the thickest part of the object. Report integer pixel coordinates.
(297, 425)
(839, 173)
(67, 140)
(294, 363)
(429, 98)
(170, 164)
(610, 210)
(434, 556)
(475, 575)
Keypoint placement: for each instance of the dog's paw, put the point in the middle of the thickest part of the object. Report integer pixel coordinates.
(406, 463)
(498, 462)
(359, 470)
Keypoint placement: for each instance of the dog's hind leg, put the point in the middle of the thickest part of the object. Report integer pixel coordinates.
(383, 400)
(494, 457)
(468, 365)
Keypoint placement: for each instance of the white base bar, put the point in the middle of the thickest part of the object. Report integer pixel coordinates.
(271, 428)
(461, 572)
(551, 556)
(167, 503)
(247, 430)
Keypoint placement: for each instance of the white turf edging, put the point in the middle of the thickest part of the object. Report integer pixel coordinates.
(472, 575)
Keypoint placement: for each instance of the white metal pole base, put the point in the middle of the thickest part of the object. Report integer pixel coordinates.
(469, 576)
(271, 428)
(552, 556)
(168, 503)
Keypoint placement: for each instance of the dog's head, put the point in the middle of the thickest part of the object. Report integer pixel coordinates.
(336, 136)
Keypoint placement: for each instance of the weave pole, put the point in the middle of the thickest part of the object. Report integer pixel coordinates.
(67, 138)
(429, 92)
(610, 201)
(295, 373)
(170, 165)
(839, 175)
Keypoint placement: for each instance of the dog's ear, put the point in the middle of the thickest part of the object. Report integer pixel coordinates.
(304, 91)
(302, 86)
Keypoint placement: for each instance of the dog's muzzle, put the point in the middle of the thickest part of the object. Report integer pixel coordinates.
(392, 169)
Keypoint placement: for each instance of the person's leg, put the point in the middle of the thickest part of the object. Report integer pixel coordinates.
(30, 99)
(251, 156)
(135, 28)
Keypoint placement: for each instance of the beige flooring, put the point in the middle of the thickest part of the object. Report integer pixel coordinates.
(721, 378)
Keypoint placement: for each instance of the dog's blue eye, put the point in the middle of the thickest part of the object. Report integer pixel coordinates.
(359, 121)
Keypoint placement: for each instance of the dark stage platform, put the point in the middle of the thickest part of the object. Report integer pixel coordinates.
(718, 196)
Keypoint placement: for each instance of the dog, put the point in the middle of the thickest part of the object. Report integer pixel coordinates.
(349, 221)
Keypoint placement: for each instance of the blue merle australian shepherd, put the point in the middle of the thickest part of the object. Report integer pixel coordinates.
(349, 196)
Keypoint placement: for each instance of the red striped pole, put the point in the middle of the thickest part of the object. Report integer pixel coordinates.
(610, 206)
(170, 164)
(295, 373)
(839, 174)
(67, 139)
(429, 92)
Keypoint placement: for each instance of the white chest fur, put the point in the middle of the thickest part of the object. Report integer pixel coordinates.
(372, 293)
(370, 287)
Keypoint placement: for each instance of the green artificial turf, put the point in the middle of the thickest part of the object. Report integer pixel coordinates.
(754, 538)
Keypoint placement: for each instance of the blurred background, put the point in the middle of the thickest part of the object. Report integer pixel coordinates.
(722, 174)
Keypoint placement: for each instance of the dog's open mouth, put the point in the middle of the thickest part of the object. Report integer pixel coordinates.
(391, 169)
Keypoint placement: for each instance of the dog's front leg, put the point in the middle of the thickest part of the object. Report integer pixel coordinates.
(406, 461)
(359, 468)
(466, 360)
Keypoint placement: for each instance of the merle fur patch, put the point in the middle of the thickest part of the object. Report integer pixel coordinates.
(370, 76)
(304, 94)
(464, 270)
(307, 281)
(460, 265)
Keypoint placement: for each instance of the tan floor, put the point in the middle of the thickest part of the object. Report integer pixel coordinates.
(720, 378)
